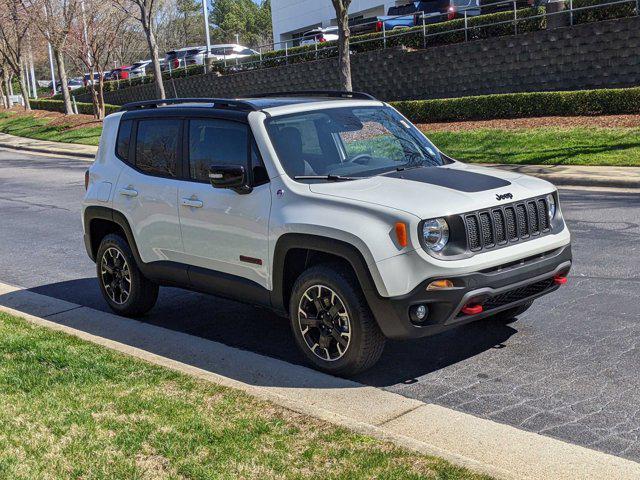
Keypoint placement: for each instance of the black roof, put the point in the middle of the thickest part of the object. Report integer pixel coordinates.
(251, 103)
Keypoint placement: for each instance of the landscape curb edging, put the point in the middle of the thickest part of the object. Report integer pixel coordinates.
(482, 445)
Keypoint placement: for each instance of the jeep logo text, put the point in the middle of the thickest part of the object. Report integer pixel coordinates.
(504, 196)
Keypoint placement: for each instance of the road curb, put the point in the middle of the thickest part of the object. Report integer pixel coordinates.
(479, 444)
(62, 152)
(629, 178)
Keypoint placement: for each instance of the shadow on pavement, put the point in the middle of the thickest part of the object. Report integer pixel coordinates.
(260, 331)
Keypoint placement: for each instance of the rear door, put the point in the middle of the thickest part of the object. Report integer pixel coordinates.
(223, 230)
(147, 188)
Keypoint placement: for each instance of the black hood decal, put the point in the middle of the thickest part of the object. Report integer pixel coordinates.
(461, 180)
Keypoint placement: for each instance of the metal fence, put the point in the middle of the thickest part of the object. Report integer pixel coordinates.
(468, 19)
(468, 25)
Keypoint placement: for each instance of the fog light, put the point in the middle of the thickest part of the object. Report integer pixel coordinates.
(418, 313)
(440, 284)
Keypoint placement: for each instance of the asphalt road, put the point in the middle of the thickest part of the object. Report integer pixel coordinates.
(568, 368)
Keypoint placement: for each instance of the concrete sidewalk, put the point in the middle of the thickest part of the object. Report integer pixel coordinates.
(621, 177)
(482, 445)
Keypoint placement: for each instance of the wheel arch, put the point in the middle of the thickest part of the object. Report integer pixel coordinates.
(99, 222)
(295, 252)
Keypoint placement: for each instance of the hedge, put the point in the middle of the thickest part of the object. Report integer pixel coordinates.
(522, 105)
(609, 12)
(58, 106)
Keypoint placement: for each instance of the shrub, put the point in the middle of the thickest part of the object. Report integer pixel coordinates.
(608, 12)
(522, 105)
(58, 106)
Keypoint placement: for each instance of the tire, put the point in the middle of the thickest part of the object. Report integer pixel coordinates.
(142, 293)
(361, 339)
(508, 316)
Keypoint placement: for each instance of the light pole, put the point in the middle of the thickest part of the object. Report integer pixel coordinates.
(53, 76)
(205, 13)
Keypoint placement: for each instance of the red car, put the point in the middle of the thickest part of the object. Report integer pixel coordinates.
(120, 73)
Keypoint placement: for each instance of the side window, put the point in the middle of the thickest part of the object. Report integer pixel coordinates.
(157, 146)
(124, 140)
(260, 175)
(216, 142)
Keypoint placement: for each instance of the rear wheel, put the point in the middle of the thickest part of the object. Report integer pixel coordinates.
(332, 323)
(508, 316)
(123, 286)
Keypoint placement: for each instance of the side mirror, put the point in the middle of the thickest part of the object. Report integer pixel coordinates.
(230, 176)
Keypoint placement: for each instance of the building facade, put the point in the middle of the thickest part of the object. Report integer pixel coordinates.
(291, 18)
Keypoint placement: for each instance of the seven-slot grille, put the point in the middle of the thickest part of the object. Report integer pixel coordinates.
(503, 224)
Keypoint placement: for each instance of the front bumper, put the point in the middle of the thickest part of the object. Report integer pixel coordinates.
(497, 289)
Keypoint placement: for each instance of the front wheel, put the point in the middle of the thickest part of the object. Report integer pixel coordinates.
(332, 323)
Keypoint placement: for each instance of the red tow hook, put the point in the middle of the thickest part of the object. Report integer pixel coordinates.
(472, 309)
(560, 279)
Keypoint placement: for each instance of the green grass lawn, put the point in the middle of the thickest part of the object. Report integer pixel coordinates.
(543, 146)
(40, 129)
(72, 409)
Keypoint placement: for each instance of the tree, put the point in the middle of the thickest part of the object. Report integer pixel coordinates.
(252, 22)
(144, 11)
(344, 59)
(14, 27)
(105, 25)
(55, 20)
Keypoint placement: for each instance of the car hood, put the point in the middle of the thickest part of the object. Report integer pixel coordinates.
(439, 191)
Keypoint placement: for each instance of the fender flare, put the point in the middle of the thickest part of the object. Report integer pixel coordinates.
(94, 212)
(340, 248)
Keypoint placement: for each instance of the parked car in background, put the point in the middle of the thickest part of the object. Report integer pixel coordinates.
(139, 69)
(72, 83)
(86, 80)
(412, 14)
(231, 51)
(121, 73)
(182, 57)
(319, 35)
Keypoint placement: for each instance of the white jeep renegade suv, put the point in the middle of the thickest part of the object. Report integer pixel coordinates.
(330, 208)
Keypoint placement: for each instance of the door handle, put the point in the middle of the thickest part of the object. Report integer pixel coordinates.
(128, 192)
(191, 202)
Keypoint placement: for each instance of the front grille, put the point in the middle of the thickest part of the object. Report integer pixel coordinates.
(517, 294)
(501, 225)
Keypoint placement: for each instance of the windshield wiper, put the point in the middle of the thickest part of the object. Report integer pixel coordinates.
(331, 178)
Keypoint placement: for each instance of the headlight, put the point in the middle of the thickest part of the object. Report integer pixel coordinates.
(435, 233)
(551, 206)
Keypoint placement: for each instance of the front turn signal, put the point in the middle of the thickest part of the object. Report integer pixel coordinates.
(440, 284)
(401, 234)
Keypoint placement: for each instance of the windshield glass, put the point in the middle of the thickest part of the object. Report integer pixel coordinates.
(349, 142)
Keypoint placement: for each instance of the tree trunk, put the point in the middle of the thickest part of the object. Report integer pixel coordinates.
(153, 49)
(101, 95)
(7, 89)
(62, 78)
(22, 81)
(3, 99)
(94, 96)
(344, 58)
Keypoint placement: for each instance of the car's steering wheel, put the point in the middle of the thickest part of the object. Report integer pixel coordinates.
(360, 159)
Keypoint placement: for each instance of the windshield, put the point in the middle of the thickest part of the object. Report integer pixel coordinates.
(349, 142)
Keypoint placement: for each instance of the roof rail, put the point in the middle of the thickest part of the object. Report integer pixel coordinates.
(217, 103)
(318, 93)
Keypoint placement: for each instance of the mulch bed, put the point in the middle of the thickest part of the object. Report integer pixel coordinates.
(70, 122)
(604, 121)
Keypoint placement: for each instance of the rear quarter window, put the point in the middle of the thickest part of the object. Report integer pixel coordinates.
(124, 141)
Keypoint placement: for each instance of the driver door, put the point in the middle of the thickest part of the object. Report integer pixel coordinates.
(222, 230)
